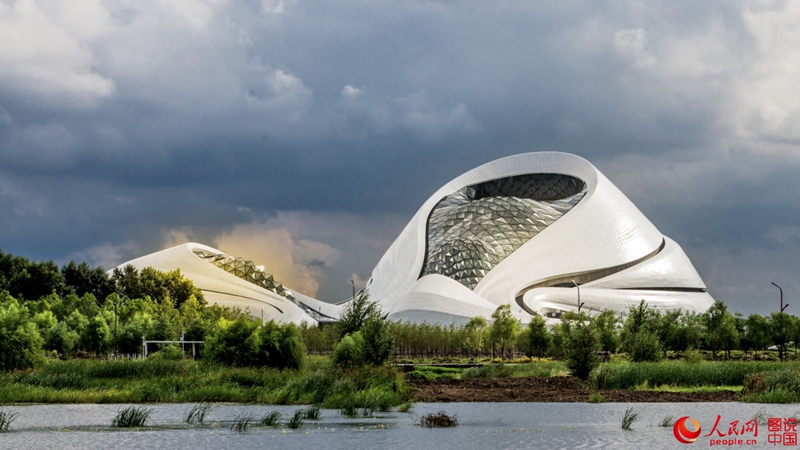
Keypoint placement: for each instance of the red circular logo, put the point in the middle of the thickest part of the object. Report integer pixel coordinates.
(682, 433)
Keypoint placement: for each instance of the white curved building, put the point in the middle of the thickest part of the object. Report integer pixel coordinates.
(230, 281)
(539, 231)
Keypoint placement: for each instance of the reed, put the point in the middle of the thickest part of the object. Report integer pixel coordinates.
(131, 417)
(681, 374)
(311, 413)
(438, 420)
(6, 418)
(241, 423)
(629, 418)
(297, 419)
(405, 407)
(272, 419)
(780, 386)
(197, 413)
(667, 422)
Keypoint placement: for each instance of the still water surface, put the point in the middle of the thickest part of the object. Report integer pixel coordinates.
(482, 426)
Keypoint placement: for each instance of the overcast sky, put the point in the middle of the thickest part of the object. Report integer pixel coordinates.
(305, 134)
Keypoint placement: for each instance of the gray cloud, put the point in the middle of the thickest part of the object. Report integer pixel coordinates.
(121, 124)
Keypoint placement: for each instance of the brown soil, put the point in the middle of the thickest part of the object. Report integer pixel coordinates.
(544, 389)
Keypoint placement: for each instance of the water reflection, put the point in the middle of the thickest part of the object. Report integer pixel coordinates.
(483, 425)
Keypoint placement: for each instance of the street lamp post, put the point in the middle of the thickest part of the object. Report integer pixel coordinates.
(779, 288)
(354, 288)
(579, 296)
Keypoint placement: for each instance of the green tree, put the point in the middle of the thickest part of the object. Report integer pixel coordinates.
(606, 327)
(780, 326)
(20, 341)
(640, 334)
(355, 313)
(96, 336)
(504, 328)
(757, 331)
(582, 346)
(720, 328)
(475, 335)
(538, 338)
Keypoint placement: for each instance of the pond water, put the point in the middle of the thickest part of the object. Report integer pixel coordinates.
(482, 426)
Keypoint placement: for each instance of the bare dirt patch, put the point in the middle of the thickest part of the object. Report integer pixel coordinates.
(544, 389)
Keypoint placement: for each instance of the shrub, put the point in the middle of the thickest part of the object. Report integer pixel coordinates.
(349, 351)
(581, 350)
(20, 341)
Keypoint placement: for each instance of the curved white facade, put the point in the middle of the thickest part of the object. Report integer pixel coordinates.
(228, 281)
(493, 236)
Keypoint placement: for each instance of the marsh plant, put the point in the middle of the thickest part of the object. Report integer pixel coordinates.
(272, 419)
(405, 407)
(596, 398)
(131, 417)
(6, 417)
(241, 423)
(311, 413)
(629, 418)
(297, 419)
(198, 413)
(438, 420)
(667, 422)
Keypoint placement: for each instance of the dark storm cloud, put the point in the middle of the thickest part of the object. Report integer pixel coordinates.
(131, 127)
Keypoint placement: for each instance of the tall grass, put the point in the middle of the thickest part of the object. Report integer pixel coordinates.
(6, 418)
(680, 374)
(271, 419)
(629, 418)
(311, 413)
(297, 419)
(197, 413)
(780, 386)
(144, 381)
(535, 369)
(131, 417)
(241, 423)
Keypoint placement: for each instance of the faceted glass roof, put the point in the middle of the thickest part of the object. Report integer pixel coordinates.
(243, 269)
(472, 230)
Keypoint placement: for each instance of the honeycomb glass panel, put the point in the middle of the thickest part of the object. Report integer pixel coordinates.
(244, 269)
(473, 229)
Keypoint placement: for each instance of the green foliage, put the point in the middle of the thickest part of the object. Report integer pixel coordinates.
(629, 418)
(246, 342)
(367, 334)
(596, 398)
(640, 334)
(355, 313)
(778, 386)
(538, 339)
(349, 351)
(680, 374)
(170, 352)
(504, 328)
(131, 417)
(96, 336)
(20, 341)
(475, 334)
(605, 325)
(720, 327)
(780, 325)
(581, 350)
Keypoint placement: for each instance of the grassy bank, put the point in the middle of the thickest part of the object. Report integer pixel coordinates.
(681, 374)
(491, 370)
(92, 381)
